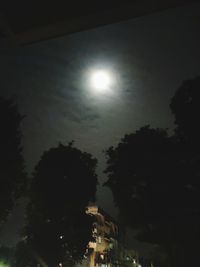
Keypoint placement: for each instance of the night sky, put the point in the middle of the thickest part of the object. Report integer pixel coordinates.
(148, 57)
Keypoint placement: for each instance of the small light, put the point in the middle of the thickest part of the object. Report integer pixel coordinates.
(3, 264)
(102, 256)
(61, 236)
(60, 264)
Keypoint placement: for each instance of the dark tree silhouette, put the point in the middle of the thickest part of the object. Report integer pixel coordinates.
(185, 106)
(150, 183)
(25, 256)
(12, 175)
(140, 175)
(64, 181)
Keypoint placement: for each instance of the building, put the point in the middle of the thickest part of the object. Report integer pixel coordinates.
(107, 250)
(105, 233)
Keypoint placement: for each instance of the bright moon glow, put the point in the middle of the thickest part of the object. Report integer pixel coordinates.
(101, 80)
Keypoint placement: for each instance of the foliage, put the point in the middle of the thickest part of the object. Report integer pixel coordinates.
(186, 109)
(12, 175)
(155, 179)
(64, 181)
(141, 173)
(25, 256)
(185, 106)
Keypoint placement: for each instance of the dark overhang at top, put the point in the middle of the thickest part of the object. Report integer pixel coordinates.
(31, 21)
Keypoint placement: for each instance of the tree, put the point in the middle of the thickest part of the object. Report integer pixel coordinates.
(25, 256)
(136, 174)
(149, 180)
(58, 229)
(12, 175)
(186, 109)
(185, 106)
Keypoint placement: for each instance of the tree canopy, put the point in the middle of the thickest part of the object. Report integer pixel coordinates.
(12, 175)
(155, 179)
(144, 175)
(186, 109)
(58, 229)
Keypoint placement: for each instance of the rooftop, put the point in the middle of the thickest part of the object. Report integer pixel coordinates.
(25, 22)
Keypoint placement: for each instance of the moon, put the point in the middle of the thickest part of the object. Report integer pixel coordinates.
(101, 80)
